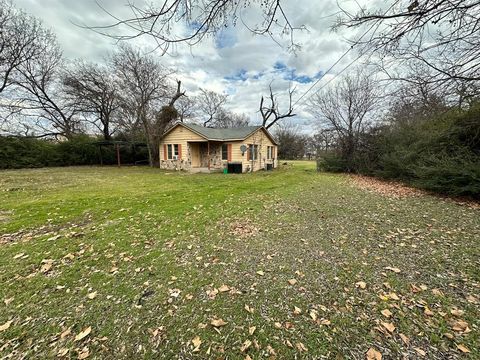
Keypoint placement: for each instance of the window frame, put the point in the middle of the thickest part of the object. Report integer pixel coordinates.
(254, 152)
(225, 152)
(172, 151)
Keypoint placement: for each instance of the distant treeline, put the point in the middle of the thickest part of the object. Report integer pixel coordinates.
(439, 152)
(24, 152)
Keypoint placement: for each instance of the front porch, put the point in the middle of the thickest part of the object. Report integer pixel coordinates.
(205, 156)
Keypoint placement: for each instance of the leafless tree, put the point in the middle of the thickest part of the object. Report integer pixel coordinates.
(20, 41)
(147, 95)
(94, 91)
(165, 21)
(443, 35)
(39, 100)
(291, 142)
(186, 108)
(345, 108)
(209, 105)
(228, 119)
(271, 113)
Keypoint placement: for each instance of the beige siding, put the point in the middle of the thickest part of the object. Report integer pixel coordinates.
(180, 135)
(262, 140)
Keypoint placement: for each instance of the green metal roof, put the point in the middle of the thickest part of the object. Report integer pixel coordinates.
(221, 134)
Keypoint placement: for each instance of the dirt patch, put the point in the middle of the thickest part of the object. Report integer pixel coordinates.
(397, 190)
(54, 232)
(243, 229)
(388, 188)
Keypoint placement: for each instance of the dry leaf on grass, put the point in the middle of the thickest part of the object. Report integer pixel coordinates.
(373, 354)
(260, 272)
(405, 339)
(463, 348)
(387, 313)
(394, 269)
(292, 281)
(6, 325)
(62, 352)
(223, 288)
(196, 343)
(297, 310)
(389, 326)
(246, 344)
(249, 309)
(420, 351)
(83, 334)
(84, 354)
(301, 347)
(92, 295)
(252, 329)
(361, 285)
(218, 323)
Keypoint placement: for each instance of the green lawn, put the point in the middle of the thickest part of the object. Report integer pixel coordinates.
(290, 263)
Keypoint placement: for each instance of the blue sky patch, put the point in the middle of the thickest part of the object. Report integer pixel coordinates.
(240, 75)
(290, 74)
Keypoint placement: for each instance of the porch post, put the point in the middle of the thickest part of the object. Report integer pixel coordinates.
(208, 154)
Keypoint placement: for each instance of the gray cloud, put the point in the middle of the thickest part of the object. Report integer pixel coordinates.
(236, 62)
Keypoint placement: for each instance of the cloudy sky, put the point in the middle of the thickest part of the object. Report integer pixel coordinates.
(234, 62)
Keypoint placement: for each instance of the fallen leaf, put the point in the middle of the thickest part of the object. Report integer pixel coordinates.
(6, 325)
(297, 310)
(223, 288)
(47, 265)
(260, 272)
(92, 295)
(65, 333)
(252, 329)
(8, 301)
(460, 326)
(394, 269)
(462, 348)
(405, 339)
(389, 326)
(84, 354)
(313, 314)
(361, 285)
(457, 312)
(278, 325)
(301, 347)
(62, 352)
(387, 313)
(249, 309)
(427, 311)
(373, 354)
(420, 351)
(218, 322)
(292, 281)
(83, 333)
(246, 344)
(196, 343)
(393, 296)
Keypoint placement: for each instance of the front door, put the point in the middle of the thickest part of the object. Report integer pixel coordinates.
(195, 153)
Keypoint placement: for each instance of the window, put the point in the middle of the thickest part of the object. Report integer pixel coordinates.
(253, 152)
(224, 151)
(269, 152)
(172, 151)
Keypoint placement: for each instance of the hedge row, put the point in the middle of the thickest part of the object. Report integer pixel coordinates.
(18, 152)
(441, 154)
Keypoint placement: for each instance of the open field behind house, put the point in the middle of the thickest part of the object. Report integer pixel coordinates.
(139, 263)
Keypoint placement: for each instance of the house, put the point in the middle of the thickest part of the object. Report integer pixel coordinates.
(196, 148)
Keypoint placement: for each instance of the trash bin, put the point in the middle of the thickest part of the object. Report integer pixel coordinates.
(225, 171)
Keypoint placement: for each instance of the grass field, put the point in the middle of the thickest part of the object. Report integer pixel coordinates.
(138, 263)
